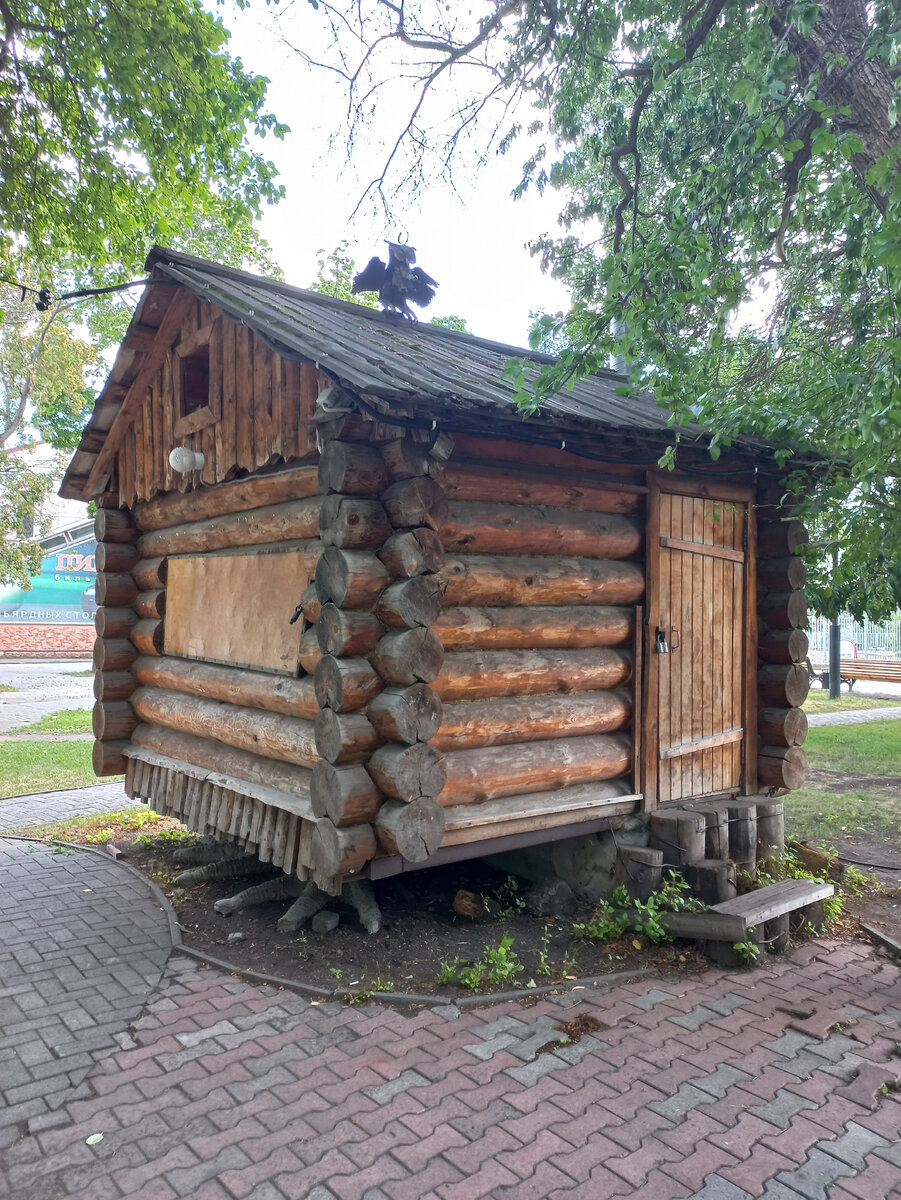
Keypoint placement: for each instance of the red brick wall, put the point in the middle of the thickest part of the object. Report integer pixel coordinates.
(46, 641)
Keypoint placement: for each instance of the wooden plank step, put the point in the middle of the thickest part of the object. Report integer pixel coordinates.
(786, 896)
(731, 920)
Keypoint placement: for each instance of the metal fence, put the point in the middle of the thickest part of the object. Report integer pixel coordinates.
(871, 640)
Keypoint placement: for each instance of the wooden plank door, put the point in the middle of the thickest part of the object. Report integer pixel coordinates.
(697, 635)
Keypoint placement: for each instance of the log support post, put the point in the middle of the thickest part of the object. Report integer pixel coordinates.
(782, 644)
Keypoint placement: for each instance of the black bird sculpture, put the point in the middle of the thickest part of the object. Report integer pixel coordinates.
(398, 283)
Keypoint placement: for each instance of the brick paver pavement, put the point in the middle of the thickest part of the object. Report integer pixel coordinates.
(18, 812)
(777, 1083)
(83, 947)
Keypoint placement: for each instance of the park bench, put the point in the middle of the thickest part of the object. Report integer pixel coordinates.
(881, 670)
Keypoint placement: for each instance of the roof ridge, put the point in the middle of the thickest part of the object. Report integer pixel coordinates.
(160, 256)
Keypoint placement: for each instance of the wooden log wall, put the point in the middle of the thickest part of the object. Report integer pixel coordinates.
(374, 599)
(539, 584)
(255, 731)
(258, 416)
(113, 718)
(782, 679)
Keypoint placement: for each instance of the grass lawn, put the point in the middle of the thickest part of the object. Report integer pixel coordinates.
(819, 702)
(43, 766)
(97, 828)
(873, 748)
(7, 687)
(70, 720)
(867, 812)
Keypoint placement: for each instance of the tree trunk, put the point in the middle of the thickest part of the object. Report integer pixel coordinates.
(501, 483)
(784, 574)
(309, 653)
(781, 766)
(151, 573)
(115, 556)
(114, 654)
(413, 502)
(113, 685)
(114, 525)
(783, 610)
(148, 637)
(835, 52)
(112, 589)
(783, 686)
(113, 719)
(775, 539)
(108, 758)
(151, 604)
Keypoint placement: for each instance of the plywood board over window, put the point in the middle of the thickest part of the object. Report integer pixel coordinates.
(235, 608)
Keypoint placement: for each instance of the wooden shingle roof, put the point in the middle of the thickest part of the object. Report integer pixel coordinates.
(435, 372)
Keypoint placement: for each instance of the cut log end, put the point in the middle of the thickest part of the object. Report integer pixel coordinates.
(408, 772)
(408, 656)
(781, 767)
(411, 714)
(337, 852)
(414, 830)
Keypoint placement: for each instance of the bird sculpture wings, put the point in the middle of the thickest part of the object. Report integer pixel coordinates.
(397, 283)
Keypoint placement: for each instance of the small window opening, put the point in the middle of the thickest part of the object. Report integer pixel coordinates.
(195, 381)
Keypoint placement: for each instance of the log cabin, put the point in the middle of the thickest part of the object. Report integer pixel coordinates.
(376, 621)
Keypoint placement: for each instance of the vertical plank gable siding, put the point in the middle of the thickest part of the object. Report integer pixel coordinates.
(262, 405)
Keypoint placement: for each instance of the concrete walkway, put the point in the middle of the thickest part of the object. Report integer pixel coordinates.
(42, 688)
(857, 716)
(777, 1083)
(40, 808)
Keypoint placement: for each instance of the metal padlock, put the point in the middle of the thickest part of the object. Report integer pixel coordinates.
(662, 646)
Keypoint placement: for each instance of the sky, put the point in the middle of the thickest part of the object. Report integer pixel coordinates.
(470, 236)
